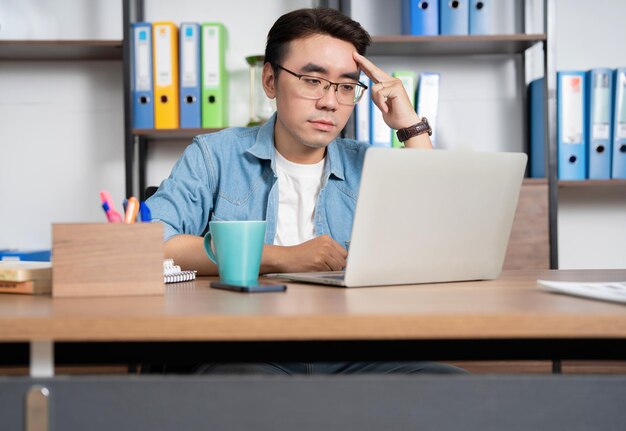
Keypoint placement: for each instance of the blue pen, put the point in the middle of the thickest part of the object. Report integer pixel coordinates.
(146, 215)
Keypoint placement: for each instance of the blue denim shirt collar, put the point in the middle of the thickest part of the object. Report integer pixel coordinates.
(263, 149)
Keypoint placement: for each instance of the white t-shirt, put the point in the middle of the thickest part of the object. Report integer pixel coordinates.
(298, 189)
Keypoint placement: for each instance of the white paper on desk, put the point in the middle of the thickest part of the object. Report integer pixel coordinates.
(607, 291)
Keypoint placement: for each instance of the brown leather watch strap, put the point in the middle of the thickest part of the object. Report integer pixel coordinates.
(414, 130)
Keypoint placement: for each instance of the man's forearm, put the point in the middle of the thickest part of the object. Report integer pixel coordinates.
(188, 252)
(271, 260)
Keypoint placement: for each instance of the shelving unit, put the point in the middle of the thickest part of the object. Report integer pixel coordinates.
(48, 50)
(510, 44)
(592, 183)
(454, 45)
(155, 134)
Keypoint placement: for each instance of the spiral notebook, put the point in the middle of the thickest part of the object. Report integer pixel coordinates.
(174, 274)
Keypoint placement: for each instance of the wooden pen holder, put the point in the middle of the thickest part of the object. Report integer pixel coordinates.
(107, 259)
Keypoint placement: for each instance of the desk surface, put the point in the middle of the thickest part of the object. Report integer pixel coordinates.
(512, 307)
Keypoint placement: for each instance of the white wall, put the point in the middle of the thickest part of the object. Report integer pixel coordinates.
(61, 123)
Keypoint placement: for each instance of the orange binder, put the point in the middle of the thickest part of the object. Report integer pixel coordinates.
(165, 55)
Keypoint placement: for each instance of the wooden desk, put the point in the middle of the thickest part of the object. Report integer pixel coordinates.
(505, 318)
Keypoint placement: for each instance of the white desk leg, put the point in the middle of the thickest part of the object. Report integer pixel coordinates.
(41, 359)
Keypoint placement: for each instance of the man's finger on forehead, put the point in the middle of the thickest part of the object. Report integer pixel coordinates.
(370, 69)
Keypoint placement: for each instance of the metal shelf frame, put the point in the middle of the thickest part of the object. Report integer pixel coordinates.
(133, 10)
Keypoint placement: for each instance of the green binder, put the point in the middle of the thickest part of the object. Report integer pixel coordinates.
(408, 81)
(214, 76)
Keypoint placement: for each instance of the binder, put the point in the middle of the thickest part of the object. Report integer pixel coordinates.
(454, 17)
(190, 115)
(536, 116)
(141, 86)
(571, 126)
(166, 110)
(427, 104)
(379, 130)
(362, 113)
(480, 17)
(214, 77)
(618, 169)
(408, 81)
(599, 113)
(420, 17)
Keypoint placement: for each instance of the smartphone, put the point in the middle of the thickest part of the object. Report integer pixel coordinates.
(249, 289)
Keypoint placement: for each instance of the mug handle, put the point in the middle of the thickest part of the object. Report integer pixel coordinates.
(208, 249)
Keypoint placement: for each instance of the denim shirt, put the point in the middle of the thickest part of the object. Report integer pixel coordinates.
(231, 175)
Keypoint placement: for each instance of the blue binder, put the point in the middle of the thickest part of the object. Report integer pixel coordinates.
(571, 125)
(480, 18)
(189, 75)
(536, 106)
(380, 132)
(619, 125)
(454, 17)
(142, 87)
(599, 114)
(362, 112)
(420, 17)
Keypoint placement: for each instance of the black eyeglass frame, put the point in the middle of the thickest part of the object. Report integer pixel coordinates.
(336, 84)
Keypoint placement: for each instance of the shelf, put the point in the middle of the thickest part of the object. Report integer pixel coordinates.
(592, 183)
(453, 45)
(535, 182)
(172, 133)
(60, 50)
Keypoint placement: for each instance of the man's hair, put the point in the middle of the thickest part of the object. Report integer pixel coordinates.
(304, 23)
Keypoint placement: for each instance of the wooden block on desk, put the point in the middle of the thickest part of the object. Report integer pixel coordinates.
(107, 259)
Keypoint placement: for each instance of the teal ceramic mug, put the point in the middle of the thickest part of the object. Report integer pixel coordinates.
(237, 249)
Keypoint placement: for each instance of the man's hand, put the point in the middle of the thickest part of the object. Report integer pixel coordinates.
(389, 95)
(319, 254)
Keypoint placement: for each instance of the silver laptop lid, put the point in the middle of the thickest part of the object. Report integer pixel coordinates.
(433, 216)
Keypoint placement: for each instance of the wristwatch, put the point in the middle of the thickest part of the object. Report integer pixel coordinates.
(414, 130)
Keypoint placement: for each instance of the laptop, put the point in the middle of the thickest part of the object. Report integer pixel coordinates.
(427, 217)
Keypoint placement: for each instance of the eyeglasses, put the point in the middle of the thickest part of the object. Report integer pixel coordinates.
(314, 87)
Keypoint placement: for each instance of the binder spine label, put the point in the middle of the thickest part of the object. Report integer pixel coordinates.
(211, 56)
(164, 58)
(572, 105)
(143, 74)
(600, 128)
(621, 107)
(190, 59)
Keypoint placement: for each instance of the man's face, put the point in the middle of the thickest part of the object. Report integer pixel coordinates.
(305, 124)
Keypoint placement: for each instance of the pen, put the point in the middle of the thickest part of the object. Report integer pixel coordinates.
(112, 215)
(105, 196)
(132, 208)
(107, 205)
(146, 215)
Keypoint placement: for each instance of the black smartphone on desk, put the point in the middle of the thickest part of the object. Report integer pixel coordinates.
(257, 288)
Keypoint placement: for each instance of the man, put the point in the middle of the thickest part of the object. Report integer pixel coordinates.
(293, 171)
